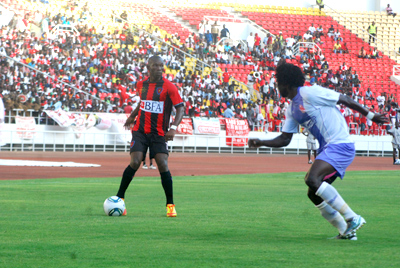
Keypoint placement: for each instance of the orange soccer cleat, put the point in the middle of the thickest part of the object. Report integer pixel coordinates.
(171, 212)
(124, 214)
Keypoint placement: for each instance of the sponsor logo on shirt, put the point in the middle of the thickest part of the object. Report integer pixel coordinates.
(156, 107)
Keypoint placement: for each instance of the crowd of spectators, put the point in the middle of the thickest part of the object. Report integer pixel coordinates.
(97, 71)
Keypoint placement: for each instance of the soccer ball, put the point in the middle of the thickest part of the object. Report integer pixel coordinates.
(114, 206)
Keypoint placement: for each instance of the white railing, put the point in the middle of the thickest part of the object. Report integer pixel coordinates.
(61, 28)
(396, 70)
(353, 128)
(100, 142)
(300, 47)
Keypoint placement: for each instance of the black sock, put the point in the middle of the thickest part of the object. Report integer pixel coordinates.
(166, 181)
(126, 180)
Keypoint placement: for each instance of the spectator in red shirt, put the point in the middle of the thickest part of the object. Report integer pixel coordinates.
(257, 40)
(226, 76)
(128, 108)
(249, 59)
(89, 103)
(123, 38)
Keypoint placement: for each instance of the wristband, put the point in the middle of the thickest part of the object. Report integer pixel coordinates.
(173, 127)
(370, 115)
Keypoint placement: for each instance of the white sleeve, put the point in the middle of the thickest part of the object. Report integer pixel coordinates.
(319, 96)
(290, 126)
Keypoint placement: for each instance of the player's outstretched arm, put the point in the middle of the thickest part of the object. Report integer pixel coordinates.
(131, 119)
(349, 102)
(280, 141)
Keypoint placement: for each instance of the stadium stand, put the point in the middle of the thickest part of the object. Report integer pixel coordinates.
(103, 63)
(358, 21)
(291, 23)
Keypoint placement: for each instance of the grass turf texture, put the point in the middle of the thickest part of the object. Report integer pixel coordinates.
(262, 220)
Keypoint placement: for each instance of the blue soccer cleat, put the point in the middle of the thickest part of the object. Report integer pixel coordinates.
(354, 224)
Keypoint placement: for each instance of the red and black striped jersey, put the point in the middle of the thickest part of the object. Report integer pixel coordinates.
(156, 104)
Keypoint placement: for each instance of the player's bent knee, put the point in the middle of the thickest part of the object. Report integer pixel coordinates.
(313, 183)
(135, 163)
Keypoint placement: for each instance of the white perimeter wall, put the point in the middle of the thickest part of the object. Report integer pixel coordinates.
(240, 31)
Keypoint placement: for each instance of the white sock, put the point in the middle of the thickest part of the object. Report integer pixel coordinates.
(333, 217)
(333, 198)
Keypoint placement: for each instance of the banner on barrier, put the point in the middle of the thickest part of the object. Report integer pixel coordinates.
(61, 117)
(237, 127)
(185, 127)
(81, 122)
(26, 127)
(206, 126)
(118, 121)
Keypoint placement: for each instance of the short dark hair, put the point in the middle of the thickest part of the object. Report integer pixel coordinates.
(154, 58)
(289, 74)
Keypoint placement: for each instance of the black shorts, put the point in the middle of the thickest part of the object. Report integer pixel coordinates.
(141, 142)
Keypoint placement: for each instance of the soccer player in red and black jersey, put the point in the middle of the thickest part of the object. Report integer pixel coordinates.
(151, 128)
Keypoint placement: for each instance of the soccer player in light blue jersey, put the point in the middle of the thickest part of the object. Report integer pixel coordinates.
(315, 109)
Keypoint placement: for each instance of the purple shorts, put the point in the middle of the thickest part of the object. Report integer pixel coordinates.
(339, 156)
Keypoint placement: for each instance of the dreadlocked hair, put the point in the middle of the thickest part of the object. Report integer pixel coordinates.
(289, 74)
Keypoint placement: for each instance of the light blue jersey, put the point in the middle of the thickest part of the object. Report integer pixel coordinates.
(315, 109)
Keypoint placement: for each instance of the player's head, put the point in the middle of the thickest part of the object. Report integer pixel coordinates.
(289, 77)
(155, 66)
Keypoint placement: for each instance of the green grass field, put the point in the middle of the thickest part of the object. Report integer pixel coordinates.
(262, 220)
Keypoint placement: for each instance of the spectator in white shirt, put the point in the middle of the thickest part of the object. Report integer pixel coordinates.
(272, 82)
(320, 30)
(307, 35)
(250, 41)
(331, 31)
(276, 60)
(381, 99)
(289, 53)
(156, 33)
(290, 41)
(312, 29)
(337, 35)
(306, 66)
(225, 58)
(334, 80)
